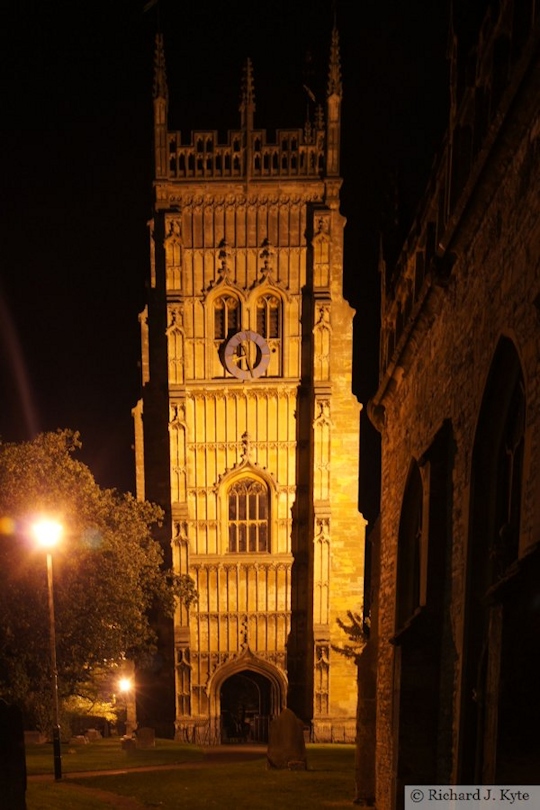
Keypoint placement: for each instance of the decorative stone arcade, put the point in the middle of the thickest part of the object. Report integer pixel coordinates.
(247, 432)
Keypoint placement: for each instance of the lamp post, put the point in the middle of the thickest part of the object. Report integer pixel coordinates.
(125, 685)
(47, 534)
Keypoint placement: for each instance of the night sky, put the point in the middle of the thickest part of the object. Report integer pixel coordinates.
(76, 175)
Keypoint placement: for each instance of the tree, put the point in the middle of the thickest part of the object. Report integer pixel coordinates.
(362, 651)
(108, 573)
(358, 634)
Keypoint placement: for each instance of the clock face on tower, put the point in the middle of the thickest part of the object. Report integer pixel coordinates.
(246, 355)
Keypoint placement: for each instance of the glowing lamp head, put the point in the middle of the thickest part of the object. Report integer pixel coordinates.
(47, 533)
(124, 684)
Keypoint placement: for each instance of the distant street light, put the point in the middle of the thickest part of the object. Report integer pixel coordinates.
(127, 687)
(124, 684)
(47, 534)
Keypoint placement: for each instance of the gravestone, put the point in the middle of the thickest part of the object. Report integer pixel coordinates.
(129, 745)
(286, 746)
(93, 734)
(146, 738)
(79, 739)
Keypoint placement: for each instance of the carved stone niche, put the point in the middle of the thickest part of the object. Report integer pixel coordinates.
(321, 250)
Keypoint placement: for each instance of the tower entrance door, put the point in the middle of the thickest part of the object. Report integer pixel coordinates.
(246, 707)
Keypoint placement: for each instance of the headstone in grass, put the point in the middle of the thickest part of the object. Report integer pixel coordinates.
(146, 738)
(93, 734)
(286, 746)
(79, 739)
(129, 745)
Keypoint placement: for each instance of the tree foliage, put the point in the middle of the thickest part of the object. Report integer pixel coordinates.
(108, 572)
(357, 630)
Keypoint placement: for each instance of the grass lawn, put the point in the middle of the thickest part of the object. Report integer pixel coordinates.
(104, 755)
(63, 796)
(328, 782)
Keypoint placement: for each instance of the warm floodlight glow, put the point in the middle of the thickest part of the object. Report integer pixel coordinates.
(124, 684)
(47, 532)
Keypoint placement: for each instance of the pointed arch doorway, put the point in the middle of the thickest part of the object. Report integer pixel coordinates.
(246, 707)
(245, 695)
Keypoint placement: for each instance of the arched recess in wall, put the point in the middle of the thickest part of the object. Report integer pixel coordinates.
(495, 714)
(422, 731)
(407, 681)
(175, 344)
(245, 663)
(409, 549)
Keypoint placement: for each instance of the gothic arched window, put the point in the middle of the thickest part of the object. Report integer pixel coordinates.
(226, 317)
(248, 516)
(269, 317)
(497, 478)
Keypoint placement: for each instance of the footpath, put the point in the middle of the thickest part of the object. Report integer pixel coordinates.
(214, 754)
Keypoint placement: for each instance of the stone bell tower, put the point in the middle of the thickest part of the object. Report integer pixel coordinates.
(247, 433)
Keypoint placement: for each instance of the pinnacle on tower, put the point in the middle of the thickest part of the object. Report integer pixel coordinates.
(334, 71)
(160, 89)
(161, 103)
(333, 107)
(247, 104)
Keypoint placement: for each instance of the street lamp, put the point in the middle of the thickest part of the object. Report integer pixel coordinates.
(47, 534)
(125, 685)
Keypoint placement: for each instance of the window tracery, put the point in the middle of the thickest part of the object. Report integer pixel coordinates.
(269, 317)
(226, 317)
(248, 516)
(183, 667)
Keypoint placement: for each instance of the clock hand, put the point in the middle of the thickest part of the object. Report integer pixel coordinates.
(246, 355)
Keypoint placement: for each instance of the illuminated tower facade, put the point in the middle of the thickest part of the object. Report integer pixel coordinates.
(247, 432)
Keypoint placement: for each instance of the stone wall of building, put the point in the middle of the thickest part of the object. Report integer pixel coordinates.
(459, 412)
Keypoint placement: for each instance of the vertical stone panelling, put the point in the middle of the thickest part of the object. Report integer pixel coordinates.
(251, 229)
(187, 232)
(177, 434)
(321, 572)
(322, 339)
(209, 273)
(322, 680)
(283, 224)
(173, 254)
(240, 230)
(273, 213)
(176, 355)
(321, 256)
(197, 224)
(208, 226)
(219, 224)
(322, 431)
